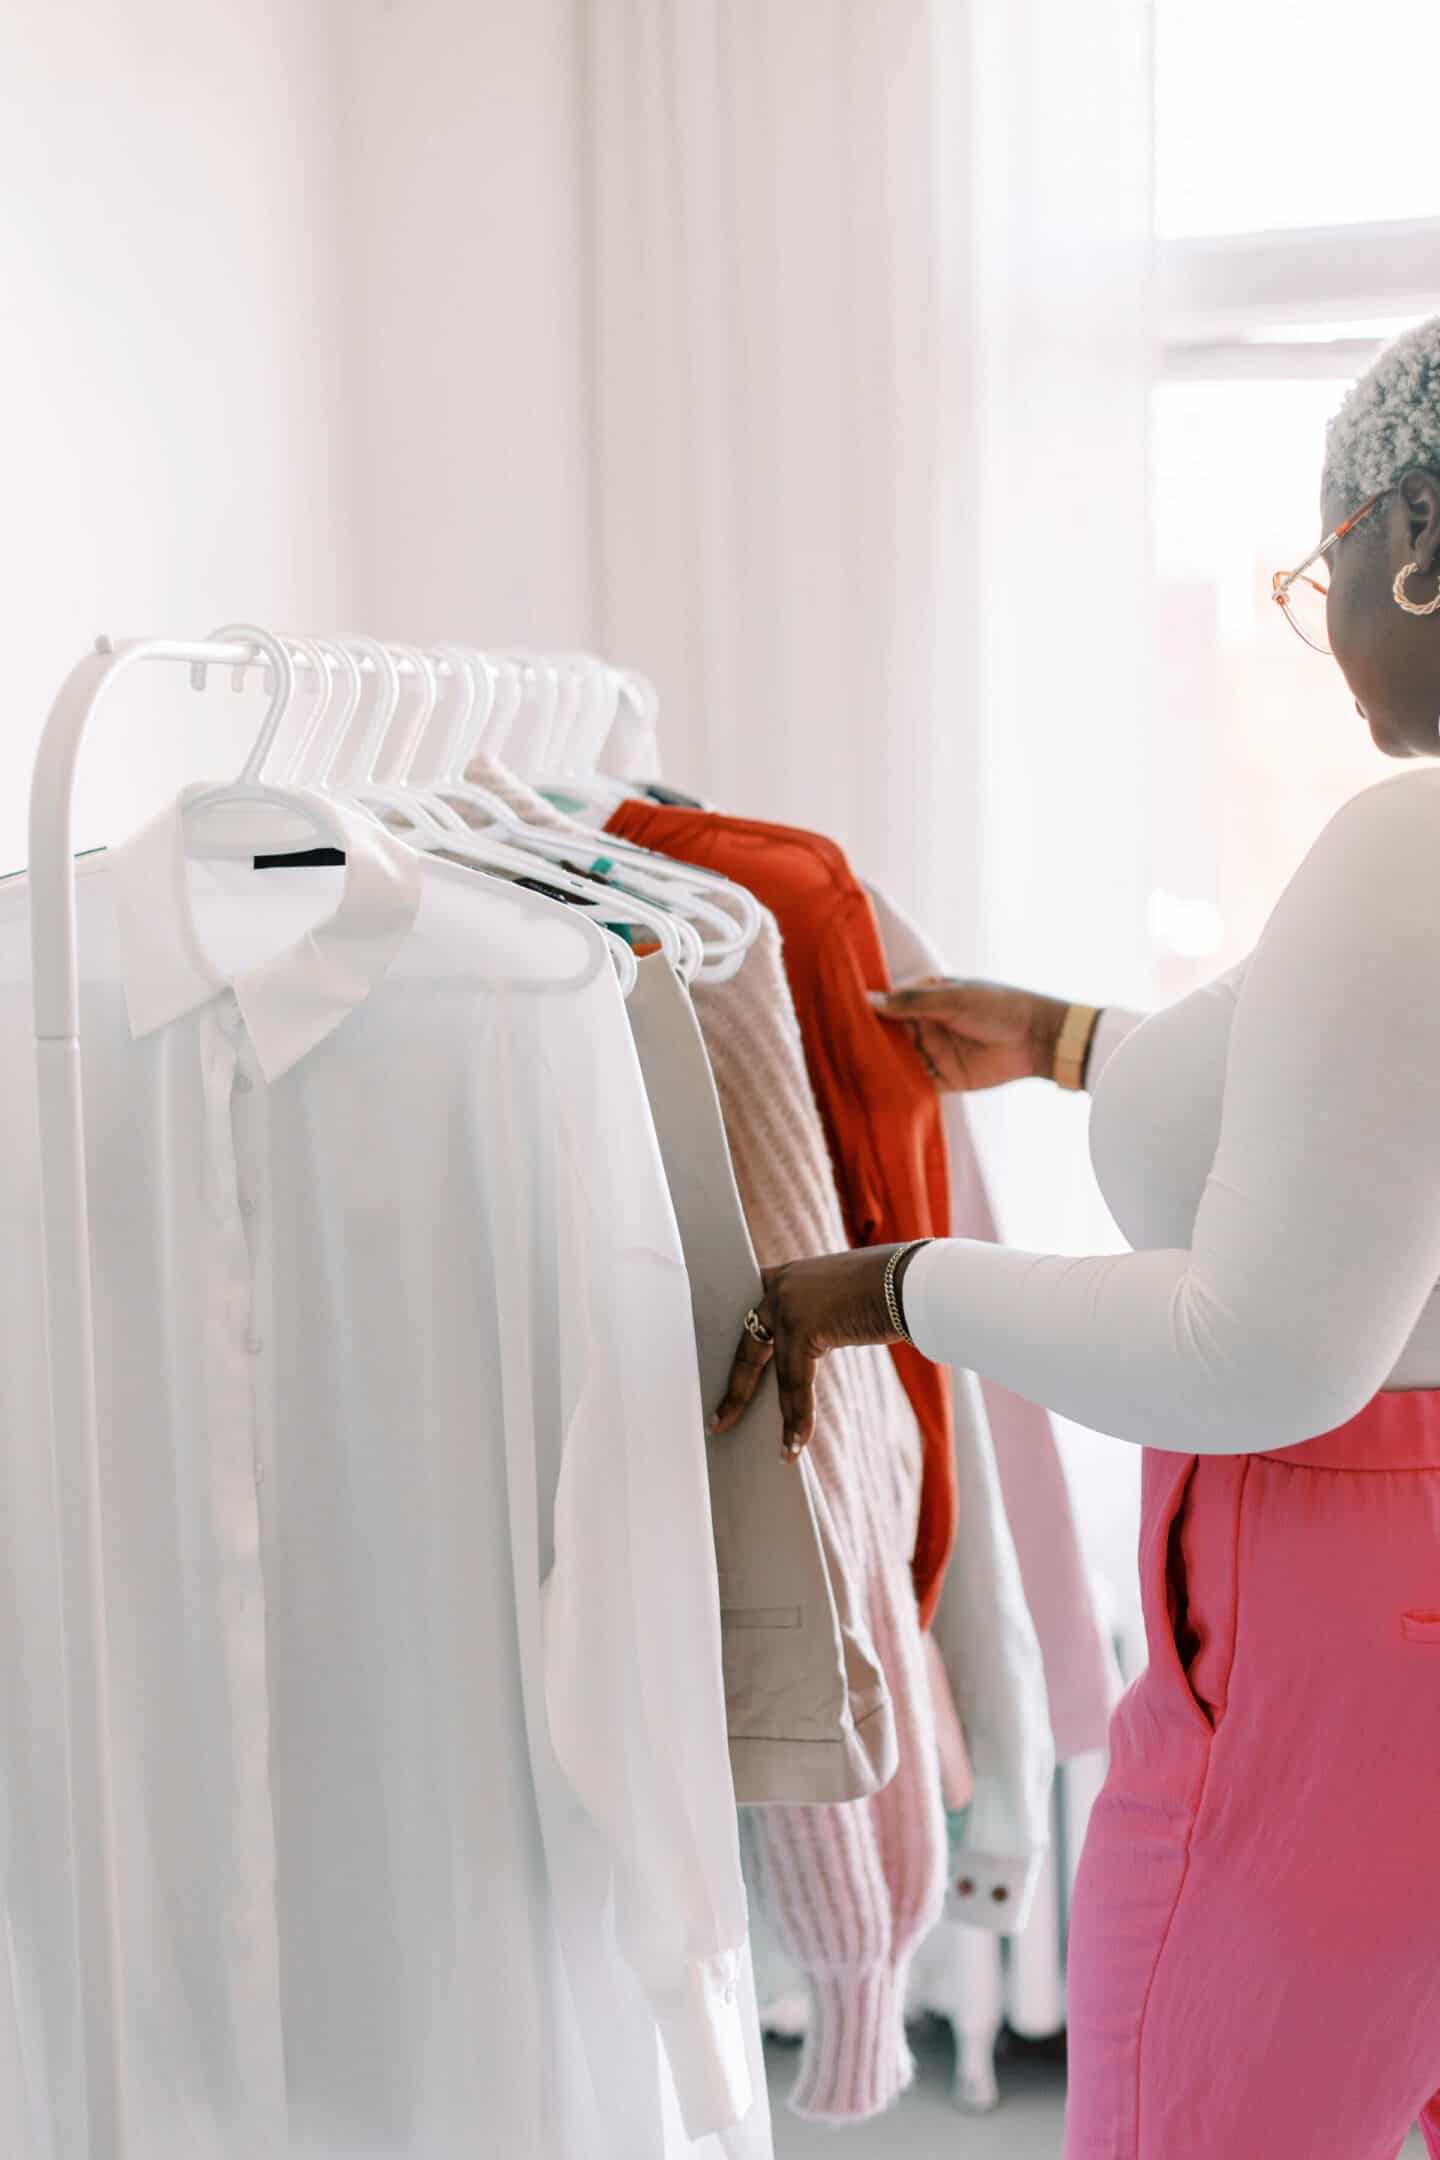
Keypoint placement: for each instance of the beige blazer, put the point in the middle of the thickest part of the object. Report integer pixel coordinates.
(809, 1713)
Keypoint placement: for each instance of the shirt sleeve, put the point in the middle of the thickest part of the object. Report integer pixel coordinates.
(634, 1685)
(987, 1641)
(1316, 1243)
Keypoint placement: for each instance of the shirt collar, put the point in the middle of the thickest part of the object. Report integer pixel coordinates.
(295, 998)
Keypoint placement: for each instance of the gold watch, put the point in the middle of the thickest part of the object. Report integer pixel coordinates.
(1072, 1043)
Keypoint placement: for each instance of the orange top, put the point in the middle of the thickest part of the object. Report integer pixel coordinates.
(881, 1113)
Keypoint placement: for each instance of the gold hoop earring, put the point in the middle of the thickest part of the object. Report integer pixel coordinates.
(1402, 599)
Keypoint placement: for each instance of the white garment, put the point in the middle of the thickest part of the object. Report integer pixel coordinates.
(425, 1832)
(1113, 1025)
(984, 1629)
(1269, 1144)
(1039, 1509)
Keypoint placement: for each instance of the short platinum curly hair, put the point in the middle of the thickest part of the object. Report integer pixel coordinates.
(1389, 419)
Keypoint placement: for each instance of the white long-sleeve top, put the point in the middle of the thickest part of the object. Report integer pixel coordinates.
(1270, 1146)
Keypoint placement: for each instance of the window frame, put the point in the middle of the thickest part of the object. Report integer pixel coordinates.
(1217, 293)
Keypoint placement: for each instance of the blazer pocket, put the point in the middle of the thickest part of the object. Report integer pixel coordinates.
(1421, 1626)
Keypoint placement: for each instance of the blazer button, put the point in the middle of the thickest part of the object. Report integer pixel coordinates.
(1000, 1893)
(966, 1886)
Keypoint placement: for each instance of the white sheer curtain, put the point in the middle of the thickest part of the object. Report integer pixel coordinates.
(870, 332)
(766, 298)
(1068, 719)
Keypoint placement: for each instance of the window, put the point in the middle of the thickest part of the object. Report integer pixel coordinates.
(1294, 239)
(1270, 117)
(1260, 740)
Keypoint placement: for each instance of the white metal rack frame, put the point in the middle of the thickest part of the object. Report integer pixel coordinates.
(95, 2129)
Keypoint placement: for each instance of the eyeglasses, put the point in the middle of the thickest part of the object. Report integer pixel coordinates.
(1303, 598)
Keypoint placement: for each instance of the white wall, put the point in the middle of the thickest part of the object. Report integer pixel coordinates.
(462, 138)
(172, 405)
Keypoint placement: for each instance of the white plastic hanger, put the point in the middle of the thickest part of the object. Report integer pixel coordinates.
(571, 776)
(552, 851)
(428, 825)
(565, 758)
(314, 746)
(437, 828)
(314, 812)
(574, 698)
(730, 914)
(250, 788)
(672, 890)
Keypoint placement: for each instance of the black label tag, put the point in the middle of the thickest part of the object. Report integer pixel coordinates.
(328, 857)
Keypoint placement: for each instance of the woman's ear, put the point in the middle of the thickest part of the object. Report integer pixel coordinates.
(1420, 494)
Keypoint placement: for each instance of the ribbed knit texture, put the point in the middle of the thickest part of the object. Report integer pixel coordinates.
(852, 1889)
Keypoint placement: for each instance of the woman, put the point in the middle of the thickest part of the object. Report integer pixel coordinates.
(1255, 1951)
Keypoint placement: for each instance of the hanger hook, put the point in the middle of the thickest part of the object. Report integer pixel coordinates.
(500, 720)
(311, 650)
(415, 726)
(533, 716)
(641, 694)
(598, 717)
(387, 698)
(472, 670)
(283, 669)
(329, 751)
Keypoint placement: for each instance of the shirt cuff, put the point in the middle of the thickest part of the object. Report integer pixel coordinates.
(704, 2039)
(925, 1298)
(1110, 1029)
(992, 1890)
(968, 1302)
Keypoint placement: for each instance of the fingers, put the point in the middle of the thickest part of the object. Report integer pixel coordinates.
(795, 1368)
(916, 1002)
(746, 1373)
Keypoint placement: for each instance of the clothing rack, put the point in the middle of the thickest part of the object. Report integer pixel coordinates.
(97, 2131)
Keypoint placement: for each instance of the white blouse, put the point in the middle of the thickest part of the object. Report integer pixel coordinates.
(426, 1841)
(1270, 1147)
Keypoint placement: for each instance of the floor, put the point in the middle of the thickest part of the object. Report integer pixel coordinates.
(925, 2126)
(1026, 2125)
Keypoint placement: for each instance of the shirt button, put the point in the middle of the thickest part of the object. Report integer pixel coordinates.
(1000, 1894)
(247, 1205)
(254, 1345)
(965, 1886)
(242, 1083)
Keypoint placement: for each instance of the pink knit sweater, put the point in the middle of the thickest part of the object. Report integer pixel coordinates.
(850, 1890)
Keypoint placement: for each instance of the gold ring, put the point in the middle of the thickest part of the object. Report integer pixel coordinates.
(755, 1326)
(923, 1054)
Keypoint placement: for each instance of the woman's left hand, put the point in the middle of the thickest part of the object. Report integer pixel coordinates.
(810, 1307)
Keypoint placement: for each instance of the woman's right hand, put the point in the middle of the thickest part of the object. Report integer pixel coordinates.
(976, 1034)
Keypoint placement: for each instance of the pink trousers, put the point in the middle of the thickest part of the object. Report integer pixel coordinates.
(1254, 1959)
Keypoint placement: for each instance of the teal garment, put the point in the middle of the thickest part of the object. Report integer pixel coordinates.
(957, 1828)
